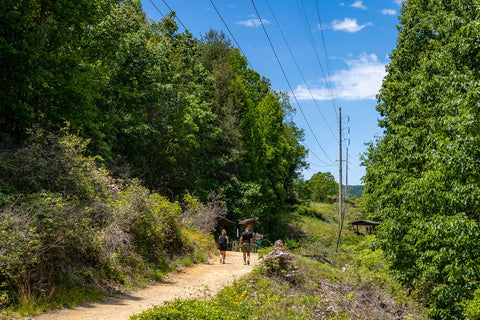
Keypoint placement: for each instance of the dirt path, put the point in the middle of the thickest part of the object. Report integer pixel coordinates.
(200, 281)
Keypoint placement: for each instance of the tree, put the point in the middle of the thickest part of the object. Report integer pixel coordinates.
(180, 114)
(319, 187)
(422, 176)
(43, 79)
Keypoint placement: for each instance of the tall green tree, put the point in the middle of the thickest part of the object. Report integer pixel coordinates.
(422, 175)
(181, 114)
(319, 187)
(42, 80)
(227, 97)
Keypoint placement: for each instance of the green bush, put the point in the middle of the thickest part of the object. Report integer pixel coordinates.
(472, 307)
(309, 211)
(55, 163)
(281, 263)
(39, 238)
(188, 310)
(72, 226)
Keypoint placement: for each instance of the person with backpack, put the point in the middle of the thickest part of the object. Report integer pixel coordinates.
(246, 244)
(222, 245)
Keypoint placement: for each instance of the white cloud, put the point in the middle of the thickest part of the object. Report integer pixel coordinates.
(399, 2)
(348, 25)
(360, 81)
(253, 22)
(358, 4)
(389, 12)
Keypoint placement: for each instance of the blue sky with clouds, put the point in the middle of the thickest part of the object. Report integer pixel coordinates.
(326, 54)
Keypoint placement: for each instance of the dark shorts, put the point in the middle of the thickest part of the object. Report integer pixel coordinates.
(246, 247)
(222, 247)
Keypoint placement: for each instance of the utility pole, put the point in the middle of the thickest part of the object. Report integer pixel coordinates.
(346, 174)
(341, 212)
(340, 200)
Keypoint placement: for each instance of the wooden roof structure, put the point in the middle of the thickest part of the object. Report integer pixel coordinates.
(364, 223)
(250, 223)
(369, 225)
(222, 221)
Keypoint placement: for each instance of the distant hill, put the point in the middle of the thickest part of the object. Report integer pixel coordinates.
(355, 191)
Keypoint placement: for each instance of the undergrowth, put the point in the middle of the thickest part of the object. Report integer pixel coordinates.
(69, 232)
(305, 278)
(288, 286)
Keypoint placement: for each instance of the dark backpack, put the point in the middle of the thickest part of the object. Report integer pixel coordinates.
(223, 239)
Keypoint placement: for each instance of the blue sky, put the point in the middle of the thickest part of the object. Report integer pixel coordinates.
(333, 54)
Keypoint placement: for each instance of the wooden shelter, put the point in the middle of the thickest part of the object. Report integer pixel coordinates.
(250, 223)
(223, 222)
(369, 225)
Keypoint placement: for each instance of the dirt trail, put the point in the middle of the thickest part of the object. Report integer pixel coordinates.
(199, 281)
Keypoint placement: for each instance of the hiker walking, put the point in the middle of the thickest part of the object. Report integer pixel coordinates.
(246, 244)
(222, 245)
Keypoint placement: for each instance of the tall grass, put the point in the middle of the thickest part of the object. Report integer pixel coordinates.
(352, 284)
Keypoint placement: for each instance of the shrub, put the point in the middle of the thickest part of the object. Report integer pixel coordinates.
(39, 239)
(55, 163)
(202, 216)
(281, 263)
(472, 307)
(73, 227)
(309, 211)
(187, 309)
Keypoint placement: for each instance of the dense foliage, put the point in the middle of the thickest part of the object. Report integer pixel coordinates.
(72, 227)
(318, 188)
(108, 121)
(355, 191)
(183, 115)
(422, 175)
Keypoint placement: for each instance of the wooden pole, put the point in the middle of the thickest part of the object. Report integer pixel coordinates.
(340, 193)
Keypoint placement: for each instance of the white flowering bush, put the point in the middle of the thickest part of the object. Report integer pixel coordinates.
(281, 263)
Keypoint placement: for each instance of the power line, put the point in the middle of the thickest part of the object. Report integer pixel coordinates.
(326, 76)
(322, 165)
(157, 8)
(298, 68)
(230, 32)
(288, 82)
(325, 50)
(165, 2)
(284, 74)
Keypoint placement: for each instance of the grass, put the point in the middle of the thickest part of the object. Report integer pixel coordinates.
(324, 292)
(351, 284)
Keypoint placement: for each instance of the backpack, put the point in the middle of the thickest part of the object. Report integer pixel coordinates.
(223, 239)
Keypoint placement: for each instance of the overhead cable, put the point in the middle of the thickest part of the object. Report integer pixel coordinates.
(299, 70)
(325, 75)
(157, 8)
(230, 32)
(325, 49)
(177, 18)
(289, 85)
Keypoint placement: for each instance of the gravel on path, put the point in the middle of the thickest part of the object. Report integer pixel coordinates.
(199, 281)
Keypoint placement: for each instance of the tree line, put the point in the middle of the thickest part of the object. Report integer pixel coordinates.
(121, 139)
(422, 175)
(183, 115)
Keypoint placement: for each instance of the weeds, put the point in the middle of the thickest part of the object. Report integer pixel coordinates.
(311, 282)
(73, 233)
